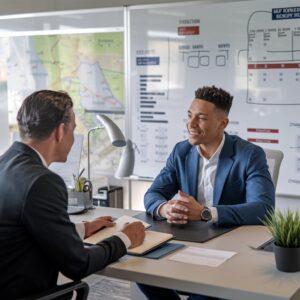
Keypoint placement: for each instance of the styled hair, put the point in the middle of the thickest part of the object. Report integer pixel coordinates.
(41, 112)
(220, 98)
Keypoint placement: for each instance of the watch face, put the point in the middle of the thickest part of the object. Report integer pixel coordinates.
(206, 214)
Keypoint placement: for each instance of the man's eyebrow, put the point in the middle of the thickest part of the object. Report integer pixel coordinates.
(198, 114)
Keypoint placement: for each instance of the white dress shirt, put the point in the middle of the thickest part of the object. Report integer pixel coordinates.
(80, 228)
(206, 179)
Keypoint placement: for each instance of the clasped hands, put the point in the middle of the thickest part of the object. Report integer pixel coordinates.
(181, 210)
(135, 230)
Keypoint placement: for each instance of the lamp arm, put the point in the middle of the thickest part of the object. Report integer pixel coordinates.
(114, 133)
(88, 148)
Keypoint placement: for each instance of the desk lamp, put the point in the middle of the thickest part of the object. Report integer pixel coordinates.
(114, 133)
(126, 165)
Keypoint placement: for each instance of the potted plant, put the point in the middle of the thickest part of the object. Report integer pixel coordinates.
(285, 229)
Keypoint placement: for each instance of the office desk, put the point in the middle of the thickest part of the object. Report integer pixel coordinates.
(250, 274)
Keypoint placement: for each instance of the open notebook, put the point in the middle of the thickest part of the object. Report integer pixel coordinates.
(152, 240)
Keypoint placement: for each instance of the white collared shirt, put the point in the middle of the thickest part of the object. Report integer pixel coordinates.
(206, 179)
(80, 228)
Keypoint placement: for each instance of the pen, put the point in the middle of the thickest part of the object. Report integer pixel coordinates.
(81, 173)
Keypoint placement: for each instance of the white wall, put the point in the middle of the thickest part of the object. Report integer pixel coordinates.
(27, 6)
(284, 202)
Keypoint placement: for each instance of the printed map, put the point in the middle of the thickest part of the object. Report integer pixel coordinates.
(89, 66)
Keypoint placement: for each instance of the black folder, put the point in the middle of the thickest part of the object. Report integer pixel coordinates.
(193, 231)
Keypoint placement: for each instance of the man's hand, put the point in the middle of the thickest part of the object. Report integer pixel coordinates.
(181, 210)
(135, 232)
(174, 211)
(194, 208)
(95, 225)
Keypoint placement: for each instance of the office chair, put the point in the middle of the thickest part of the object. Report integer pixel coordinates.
(81, 288)
(274, 159)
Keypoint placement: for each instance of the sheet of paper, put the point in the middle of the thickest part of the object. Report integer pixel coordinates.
(120, 222)
(201, 256)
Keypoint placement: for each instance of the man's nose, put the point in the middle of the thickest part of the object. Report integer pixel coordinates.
(192, 122)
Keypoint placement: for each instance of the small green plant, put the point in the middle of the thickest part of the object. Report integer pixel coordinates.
(79, 183)
(284, 227)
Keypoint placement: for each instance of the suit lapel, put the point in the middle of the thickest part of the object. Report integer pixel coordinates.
(224, 165)
(192, 167)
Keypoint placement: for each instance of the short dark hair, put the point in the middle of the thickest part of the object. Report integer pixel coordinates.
(41, 112)
(220, 98)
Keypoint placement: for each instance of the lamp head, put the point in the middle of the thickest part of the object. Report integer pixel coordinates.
(114, 133)
(126, 165)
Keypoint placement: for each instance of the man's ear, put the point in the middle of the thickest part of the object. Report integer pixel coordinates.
(59, 132)
(225, 122)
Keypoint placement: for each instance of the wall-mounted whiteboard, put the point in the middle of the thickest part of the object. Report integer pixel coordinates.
(250, 48)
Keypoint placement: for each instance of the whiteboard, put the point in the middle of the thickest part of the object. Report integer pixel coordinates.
(250, 48)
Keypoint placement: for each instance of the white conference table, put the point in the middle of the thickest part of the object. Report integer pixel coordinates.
(250, 274)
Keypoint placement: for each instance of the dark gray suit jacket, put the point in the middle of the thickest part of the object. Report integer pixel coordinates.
(37, 238)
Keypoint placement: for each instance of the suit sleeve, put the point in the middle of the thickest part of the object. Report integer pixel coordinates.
(164, 187)
(47, 222)
(259, 192)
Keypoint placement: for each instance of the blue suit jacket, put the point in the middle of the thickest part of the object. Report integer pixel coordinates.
(243, 190)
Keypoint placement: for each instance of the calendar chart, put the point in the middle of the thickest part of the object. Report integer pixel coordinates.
(273, 60)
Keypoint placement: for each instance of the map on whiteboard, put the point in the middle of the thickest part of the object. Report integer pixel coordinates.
(89, 66)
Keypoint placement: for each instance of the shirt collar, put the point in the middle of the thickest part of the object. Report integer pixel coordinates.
(39, 154)
(216, 155)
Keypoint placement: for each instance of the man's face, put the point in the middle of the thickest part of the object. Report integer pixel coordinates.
(205, 123)
(68, 138)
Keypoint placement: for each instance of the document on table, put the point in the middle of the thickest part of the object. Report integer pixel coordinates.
(202, 256)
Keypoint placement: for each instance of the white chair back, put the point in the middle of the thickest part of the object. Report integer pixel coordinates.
(274, 159)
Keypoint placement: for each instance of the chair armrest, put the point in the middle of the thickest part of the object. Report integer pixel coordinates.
(80, 287)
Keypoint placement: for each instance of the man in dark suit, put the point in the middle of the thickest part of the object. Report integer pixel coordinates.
(37, 238)
(217, 177)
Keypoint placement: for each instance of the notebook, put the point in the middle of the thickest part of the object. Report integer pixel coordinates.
(152, 240)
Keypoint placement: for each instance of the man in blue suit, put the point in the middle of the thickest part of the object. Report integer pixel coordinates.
(217, 177)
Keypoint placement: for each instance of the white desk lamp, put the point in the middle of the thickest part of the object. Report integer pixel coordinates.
(126, 164)
(114, 133)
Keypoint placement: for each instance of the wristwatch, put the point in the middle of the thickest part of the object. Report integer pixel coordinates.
(206, 214)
